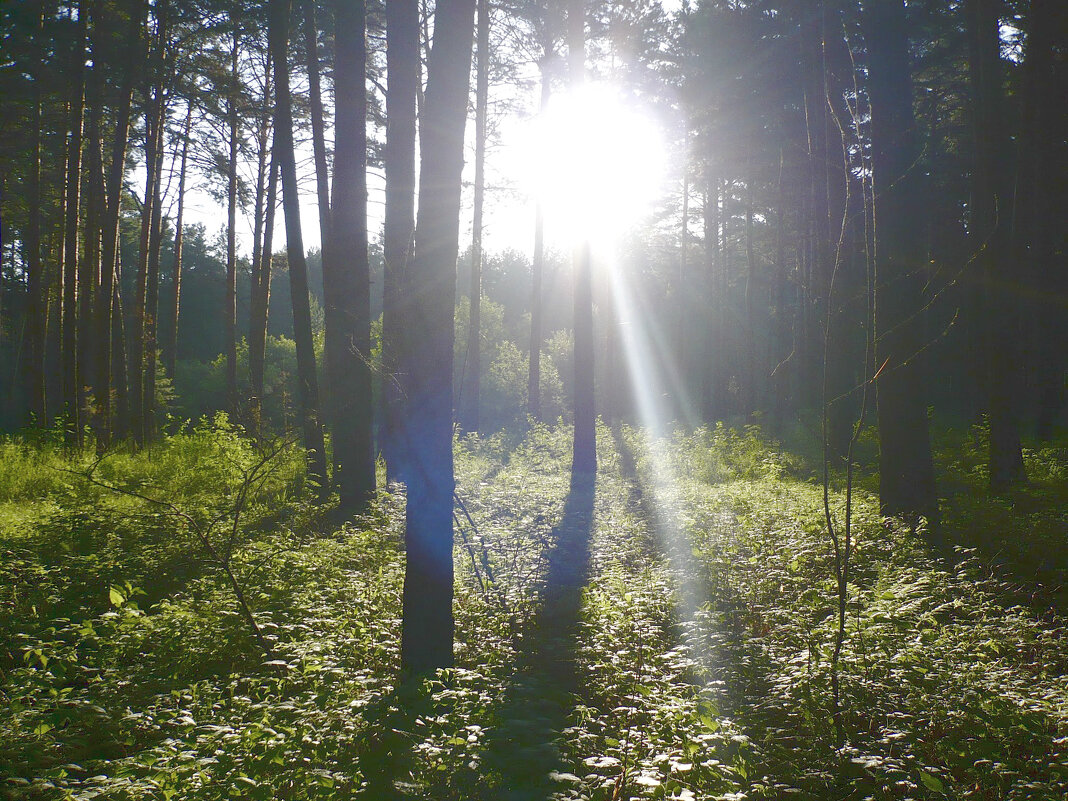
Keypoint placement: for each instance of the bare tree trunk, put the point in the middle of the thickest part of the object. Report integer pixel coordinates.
(170, 348)
(95, 212)
(584, 456)
(72, 209)
(261, 297)
(36, 301)
(109, 248)
(120, 360)
(315, 98)
(781, 332)
(264, 177)
(751, 393)
(298, 268)
(152, 288)
(138, 345)
(990, 229)
(347, 271)
(230, 312)
(906, 470)
(402, 70)
(427, 629)
(1039, 214)
(471, 381)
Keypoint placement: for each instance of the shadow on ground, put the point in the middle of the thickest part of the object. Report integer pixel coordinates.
(523, 751)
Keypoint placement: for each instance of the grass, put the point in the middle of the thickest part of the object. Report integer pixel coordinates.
(667, 636)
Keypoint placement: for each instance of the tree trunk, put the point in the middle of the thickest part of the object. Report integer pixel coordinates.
(402, 70)
(315, 99)
(1040, 214)
(170, 347)
(109, 248)
(120, 360)
(261, 297)
(264, 177)
(347, 271)
(155, 240)
(230, 311)
(36, 301)
(298, 268)
(95, 212)
(989, 230)
(471, 381)
(584, 456)
(72, 214)
(906, 472)
(427, 630)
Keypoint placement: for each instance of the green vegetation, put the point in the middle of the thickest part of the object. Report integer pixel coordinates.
(694, 663)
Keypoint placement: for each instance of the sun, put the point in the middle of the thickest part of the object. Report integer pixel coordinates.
(595, 161)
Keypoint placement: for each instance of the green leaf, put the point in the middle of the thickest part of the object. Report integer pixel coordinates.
(932, 782)
(116, 596)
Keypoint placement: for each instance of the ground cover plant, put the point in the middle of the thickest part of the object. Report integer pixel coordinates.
(666, 633)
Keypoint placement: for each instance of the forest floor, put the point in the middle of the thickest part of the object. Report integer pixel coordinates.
(666, 632)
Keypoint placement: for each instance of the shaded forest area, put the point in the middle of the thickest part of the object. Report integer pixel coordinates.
(758, 492)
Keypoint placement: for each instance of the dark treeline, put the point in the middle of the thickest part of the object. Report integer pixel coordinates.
(868, 223)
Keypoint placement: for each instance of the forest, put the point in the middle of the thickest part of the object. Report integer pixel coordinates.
(536, 400)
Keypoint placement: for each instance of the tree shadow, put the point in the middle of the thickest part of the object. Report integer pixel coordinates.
(522, 752)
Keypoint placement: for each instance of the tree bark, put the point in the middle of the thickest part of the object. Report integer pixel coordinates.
(170, 348)
(402, 70)
(315, 99)
(266, 190)
(230, 310)
(155, 241)
(989, 230)
(36, 301)
(298, 268)
(261, 297)
(72, 214)
(109, 248)
(347, 271)
(584, 455)
(138, 345)
(427, 630)
(471, 386)
(906, 471)
(1039, 212)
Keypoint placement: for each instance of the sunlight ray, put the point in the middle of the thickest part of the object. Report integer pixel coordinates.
(648, 363)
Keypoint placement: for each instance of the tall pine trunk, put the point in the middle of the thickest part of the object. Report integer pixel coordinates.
(427, 630)
(261, 297)
(36, 300)
(307, 381)
(174, 301)
(315, 99)
(906, 471)
(402, 70)
(989, 229)
(347, 271)
(72, 214)
(584, 456)
(230, 307)
(109, 246)
(471, 386)
(538, 266)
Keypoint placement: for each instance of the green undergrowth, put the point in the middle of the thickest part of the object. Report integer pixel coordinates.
(691, 660)
(949, 688)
